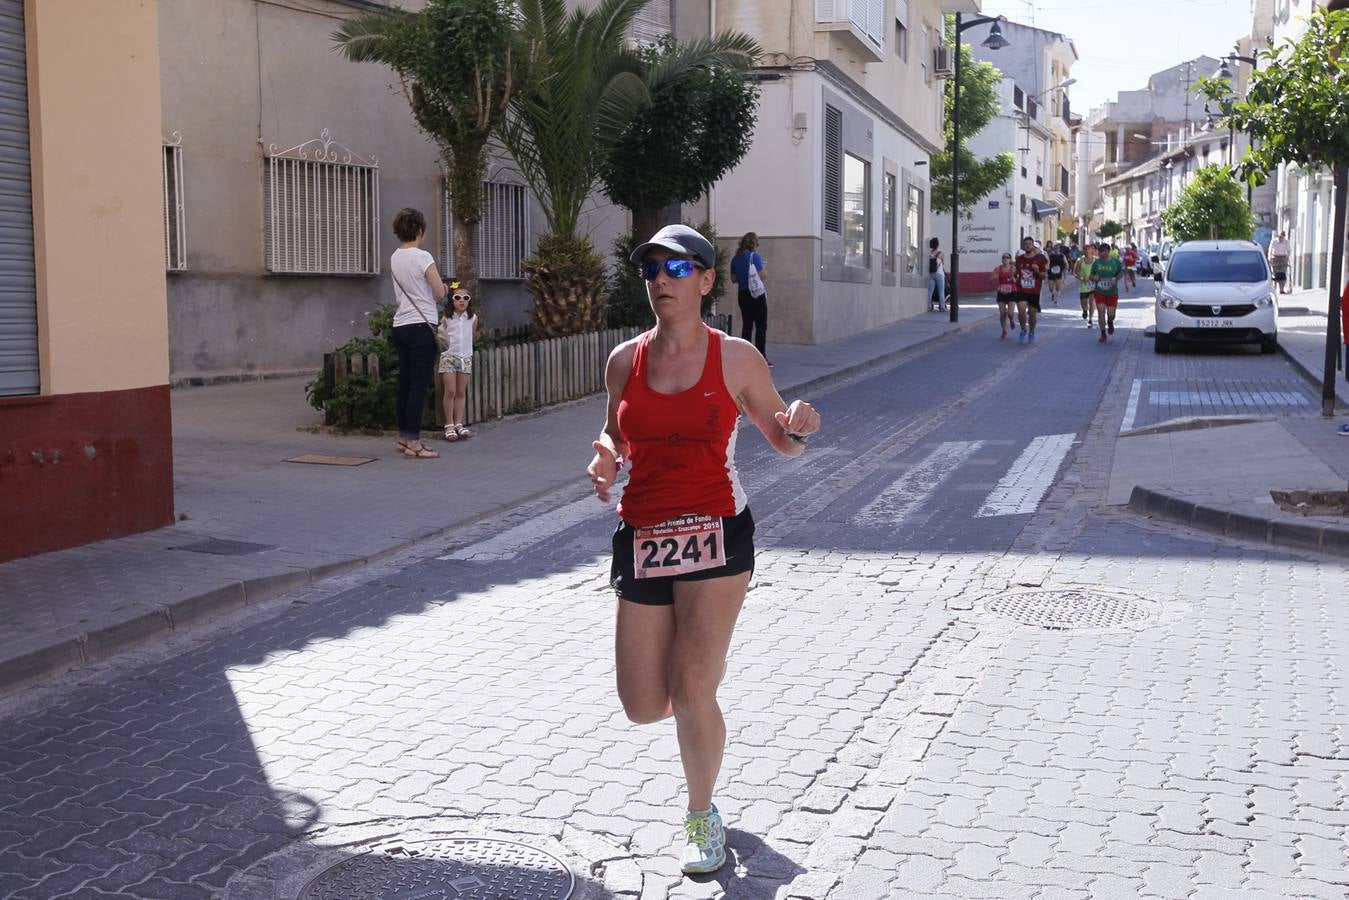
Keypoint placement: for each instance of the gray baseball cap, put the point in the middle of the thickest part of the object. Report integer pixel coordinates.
(679, 239)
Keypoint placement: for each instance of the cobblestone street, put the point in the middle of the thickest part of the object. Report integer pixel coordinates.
(957, 674)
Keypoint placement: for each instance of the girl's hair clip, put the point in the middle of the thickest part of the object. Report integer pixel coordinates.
(454, 285)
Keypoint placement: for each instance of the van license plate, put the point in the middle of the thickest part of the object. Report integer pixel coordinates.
(1215, 323)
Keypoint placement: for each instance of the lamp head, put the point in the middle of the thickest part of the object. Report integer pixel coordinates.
(1070, 81)
(995, 40)
(1223, 71)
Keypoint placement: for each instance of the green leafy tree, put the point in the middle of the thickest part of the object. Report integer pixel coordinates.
(661, 159)
(1297, 111)
(458, 69)
(584, 87)
(1110, 228)
(979, 103)
(1213, 205)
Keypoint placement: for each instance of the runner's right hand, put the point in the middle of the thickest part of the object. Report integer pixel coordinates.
(603, 471)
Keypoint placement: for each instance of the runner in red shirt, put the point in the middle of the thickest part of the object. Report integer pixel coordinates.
(684, 548)
(1031, 266)
(1130, 259)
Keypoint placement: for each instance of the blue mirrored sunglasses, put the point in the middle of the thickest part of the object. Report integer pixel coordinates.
(675, 268)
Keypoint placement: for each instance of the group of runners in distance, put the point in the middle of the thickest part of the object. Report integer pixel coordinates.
(1098, 268)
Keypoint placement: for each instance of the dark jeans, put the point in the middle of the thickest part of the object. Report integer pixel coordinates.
(417, 353)
(754, 312)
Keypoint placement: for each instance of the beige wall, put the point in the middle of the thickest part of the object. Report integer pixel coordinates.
(93, 76)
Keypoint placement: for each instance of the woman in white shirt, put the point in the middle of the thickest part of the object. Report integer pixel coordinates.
(417, 287)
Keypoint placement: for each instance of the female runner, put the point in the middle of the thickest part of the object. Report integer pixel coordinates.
(684, 550)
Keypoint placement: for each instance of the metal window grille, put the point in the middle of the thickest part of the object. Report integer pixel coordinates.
(175, 230)
(502, 240)
(833, 169)
(322, 210)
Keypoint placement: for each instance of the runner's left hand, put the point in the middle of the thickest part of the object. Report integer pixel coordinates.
(800, 418)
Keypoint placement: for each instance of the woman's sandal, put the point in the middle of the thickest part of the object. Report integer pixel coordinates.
(463, 432)
(401, 446)
(451, 434)
(420, 452)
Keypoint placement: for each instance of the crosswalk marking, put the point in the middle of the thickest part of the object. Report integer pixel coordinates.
(906, 493)
(1029, 478)
(1221, 398)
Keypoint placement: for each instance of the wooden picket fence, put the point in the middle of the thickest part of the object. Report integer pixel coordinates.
(518, 377)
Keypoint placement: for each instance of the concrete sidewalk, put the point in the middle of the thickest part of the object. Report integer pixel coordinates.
(1171, 475)
(253, 526)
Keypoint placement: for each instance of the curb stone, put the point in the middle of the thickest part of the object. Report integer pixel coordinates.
(1329, 539)
(69, 654)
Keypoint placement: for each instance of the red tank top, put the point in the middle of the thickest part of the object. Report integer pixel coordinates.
(1006, 280)
(681, 447)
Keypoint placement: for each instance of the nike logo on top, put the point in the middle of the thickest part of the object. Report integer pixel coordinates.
(709, 393)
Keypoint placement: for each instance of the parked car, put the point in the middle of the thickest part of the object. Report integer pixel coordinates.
(1216, 292)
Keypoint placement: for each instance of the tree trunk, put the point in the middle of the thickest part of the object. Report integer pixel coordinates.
(645, 222)
(1333, 305)
(465, 255)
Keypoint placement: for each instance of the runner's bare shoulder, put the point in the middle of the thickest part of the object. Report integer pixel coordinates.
(620, 364)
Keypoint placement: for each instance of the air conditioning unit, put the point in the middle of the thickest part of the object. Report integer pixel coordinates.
(943, 63)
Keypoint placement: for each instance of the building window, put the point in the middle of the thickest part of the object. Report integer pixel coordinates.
(889, 198)
(175, 232)
(1018, 97)
(321, 205)
(913, 230)
(502, 239)
(901, 41)
(856, 176)
(653, 21)
(833, 169)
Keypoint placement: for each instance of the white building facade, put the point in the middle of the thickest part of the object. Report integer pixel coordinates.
(836, 182)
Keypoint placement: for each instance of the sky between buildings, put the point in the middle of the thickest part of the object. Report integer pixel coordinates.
(1120, 44)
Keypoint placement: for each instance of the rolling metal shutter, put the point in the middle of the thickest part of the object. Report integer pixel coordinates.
(18, 294)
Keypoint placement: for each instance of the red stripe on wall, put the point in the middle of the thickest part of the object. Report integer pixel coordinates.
(77, 468)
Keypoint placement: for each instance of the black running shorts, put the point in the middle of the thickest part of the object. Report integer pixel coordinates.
(738, 532)
(1032, 298)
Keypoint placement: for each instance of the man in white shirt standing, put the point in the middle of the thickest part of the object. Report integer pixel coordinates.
(1279, 251)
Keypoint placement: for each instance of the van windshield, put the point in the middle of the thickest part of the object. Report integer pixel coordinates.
(1223, 266)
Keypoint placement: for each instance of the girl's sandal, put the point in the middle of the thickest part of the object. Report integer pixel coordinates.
(451, 434)
(401, 446)
(422, 452)
(463, 432)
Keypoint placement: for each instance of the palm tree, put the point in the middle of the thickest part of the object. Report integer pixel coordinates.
(583, 88)
(456, 62)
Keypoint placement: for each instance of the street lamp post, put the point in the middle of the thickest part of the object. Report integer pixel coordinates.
(994, 41)
(1226, 73)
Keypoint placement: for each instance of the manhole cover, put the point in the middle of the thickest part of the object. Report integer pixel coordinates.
(1059, 610)
(222, 547)
(445, 869)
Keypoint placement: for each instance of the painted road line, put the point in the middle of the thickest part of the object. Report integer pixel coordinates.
(1131, 411)
(1030, 477)
(907, 492)
(509, 543)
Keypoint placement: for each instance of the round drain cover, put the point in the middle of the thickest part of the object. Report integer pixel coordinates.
(445, 869)
(1059, 610)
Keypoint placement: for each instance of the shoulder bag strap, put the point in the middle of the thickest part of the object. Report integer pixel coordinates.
(398, 284)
